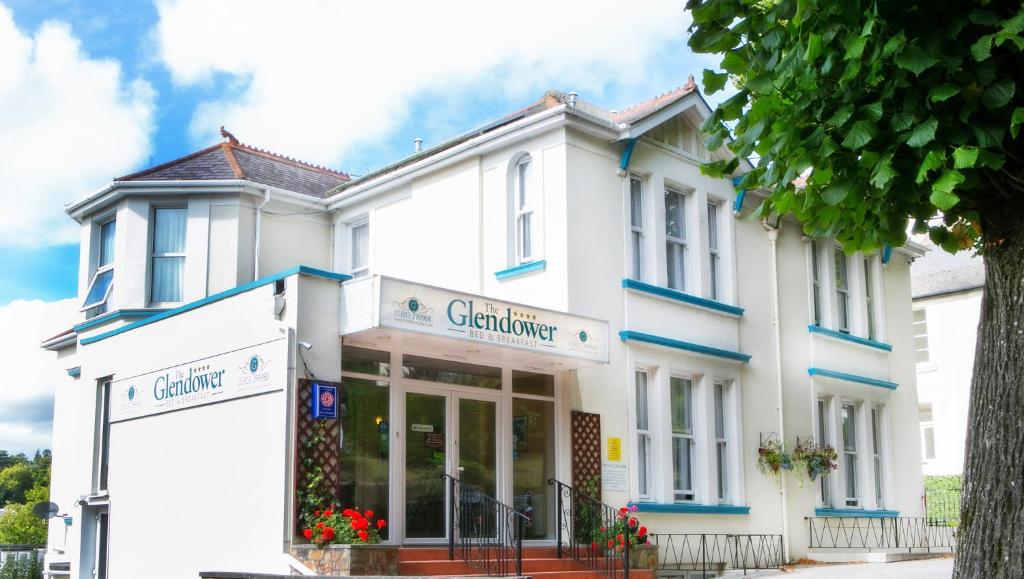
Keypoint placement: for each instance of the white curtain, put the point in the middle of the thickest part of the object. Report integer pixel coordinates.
(168, 258)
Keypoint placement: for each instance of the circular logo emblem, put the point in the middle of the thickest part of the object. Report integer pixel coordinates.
(583, 336)
(131, 393)
(326, 399)
(414, 305)
(254, 364)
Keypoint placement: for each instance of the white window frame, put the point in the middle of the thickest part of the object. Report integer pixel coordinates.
(926, 425)
(841, 271)
(875, 419)
(153, 255)
(676, 248)
(720, 429)
(99, 306)
(817, 302)
(522, 205)
(921, 332)
(101, 448)
(851, 457)
(714, 212)
(636, 227)
(823, 438)
(871, 325)
(643, 439)
(680, 495)
(361, 270)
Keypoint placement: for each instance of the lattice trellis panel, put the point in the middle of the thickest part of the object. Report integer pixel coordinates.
(586, 450)
(326, 454)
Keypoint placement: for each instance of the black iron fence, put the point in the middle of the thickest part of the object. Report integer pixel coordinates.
(21, 561)
(588, 531)
(942, 507)
(914, 534)
(484, 532)
(714, 552)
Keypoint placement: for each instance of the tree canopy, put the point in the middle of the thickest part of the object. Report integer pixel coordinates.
(897, 110)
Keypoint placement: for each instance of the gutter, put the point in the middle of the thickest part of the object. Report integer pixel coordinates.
(259, 224)
(60, 342)
(773, 236)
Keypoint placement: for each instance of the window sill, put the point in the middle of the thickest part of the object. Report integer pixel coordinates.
(116, 315)
(860, 513)
(692, 508)
(668, 293)
(630, 335)
(822, 372)
(539, 265)
(849, 338)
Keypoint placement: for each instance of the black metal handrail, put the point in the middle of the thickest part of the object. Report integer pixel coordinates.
(483, 531)
(914, 534)
(583, 531)
(715, 552)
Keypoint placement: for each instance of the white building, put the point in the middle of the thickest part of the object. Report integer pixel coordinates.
(947, 305)
(479, 302)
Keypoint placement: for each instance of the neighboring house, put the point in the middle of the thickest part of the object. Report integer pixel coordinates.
(560, 294)
(947, 304)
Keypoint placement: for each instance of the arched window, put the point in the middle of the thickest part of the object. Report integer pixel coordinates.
(523, 201)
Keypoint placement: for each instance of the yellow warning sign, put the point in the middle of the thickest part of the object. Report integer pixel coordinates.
(614, 449)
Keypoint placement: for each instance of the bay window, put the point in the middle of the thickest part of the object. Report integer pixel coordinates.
(675, 239)
(683, 443)
(168, 259)
(102, 283)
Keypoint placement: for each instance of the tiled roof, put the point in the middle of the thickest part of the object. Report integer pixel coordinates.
(234, 160)
(939, 272)
(645, 109)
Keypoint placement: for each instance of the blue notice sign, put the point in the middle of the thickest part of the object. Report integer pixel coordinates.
(325, 401)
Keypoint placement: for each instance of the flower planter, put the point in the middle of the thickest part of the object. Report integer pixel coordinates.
(342, 560)
(643, 556)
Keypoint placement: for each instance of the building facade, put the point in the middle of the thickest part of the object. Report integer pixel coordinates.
(947, 305)
(476, 304)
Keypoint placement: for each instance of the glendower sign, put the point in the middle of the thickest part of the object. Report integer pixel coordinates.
(251, 370)
(451, 314)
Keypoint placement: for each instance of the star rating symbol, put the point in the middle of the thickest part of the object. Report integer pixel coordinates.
(523, 315)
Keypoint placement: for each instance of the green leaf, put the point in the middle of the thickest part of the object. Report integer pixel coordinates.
(714, 81)
(883, 174)
(901, 121)
(1015, 121)
(984, 17)
(814, 47)
(916, 59)
(872, 111)
(948, 181)
(965, 157)
(932, 161)
(923, 133)
(835, 193)
(860, 134)
(841, 115)
(943, 200)
(735, 61)
(893, 44)
(943, 92)
(998, 93)
(855, 47)
(982, 49)
(988, 134)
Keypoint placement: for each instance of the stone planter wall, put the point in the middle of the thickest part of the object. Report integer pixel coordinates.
(341, 560)
(643, 556)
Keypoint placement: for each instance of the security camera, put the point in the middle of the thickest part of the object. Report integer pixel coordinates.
(306, 345)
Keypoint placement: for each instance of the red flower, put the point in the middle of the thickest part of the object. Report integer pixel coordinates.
(642, 531)
(347, 512)
(610, 543)
(623, 511)
(328, 512)
(308, 534)
(355, 524)
(316, 513)
(603, 529)
(381, 523)
(364, 536)
(619, 537)
(369, 514)
(320, 525)
(328, 533)
(593, 545)
(633, 522)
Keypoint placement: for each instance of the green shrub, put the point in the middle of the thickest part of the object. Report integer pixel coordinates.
(23, 566)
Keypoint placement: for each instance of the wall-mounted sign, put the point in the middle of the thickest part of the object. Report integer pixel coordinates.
(422, 427)
(614, 449)
(324, 401)
(442, 312)
(614, 477)
(251, 370)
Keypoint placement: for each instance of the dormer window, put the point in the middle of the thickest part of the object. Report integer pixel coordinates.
(103, 279)
(168, 267)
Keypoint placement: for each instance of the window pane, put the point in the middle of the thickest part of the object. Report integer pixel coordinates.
(681, 476)
(169, 231)
(924, 413)
(365, 361)
(719, 411)
(641, 401)
(523, 182)
(849, 428)
(637, 255)
(713, 225)
(533, 465)
(675, 225)
(723, 480)
(674, 253)
(636, 218)
(929, 442)
(644, 458)
(98, 291)
(816, 281)
(167, 277)
(851, 478)
(365, 422)
(360, 246)
(448, 372)
(869, 297)
(107, 243)
(525, 236)
(681, 392)
(533, 383)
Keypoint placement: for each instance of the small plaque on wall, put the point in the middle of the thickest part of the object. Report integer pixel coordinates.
(615, 477)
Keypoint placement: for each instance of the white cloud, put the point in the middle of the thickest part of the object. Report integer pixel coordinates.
(29, 372)
(314, 77)
(68, 124)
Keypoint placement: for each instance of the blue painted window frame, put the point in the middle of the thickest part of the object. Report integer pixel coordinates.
(528, 267)
(669, 293)
(849, 338)
(692, 508)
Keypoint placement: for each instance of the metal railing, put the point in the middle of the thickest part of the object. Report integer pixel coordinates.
(914, 534)
(716, 552)
(484, 532)
(942, 507)
(21, 561)
(583, 524)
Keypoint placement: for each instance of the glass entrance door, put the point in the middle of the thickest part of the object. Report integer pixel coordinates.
(471, 455)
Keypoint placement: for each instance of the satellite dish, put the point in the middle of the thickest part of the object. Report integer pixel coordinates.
(45, 510)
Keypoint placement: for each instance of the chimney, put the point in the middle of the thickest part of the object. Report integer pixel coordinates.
(572, 101)
(417, 145)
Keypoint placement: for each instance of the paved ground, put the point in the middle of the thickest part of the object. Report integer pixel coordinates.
(920, 569)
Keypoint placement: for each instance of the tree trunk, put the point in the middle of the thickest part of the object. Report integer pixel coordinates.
(991, 534)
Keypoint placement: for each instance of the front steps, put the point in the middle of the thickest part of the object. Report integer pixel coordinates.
(538, 562)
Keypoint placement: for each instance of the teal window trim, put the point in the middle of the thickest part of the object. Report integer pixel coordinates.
(691, 508)
(630, 335)
(300, 269)
(852, 378)
(636, 285)
(860, 513)
(114, 315)
(75, 372)
(539, 265)
(849, 338)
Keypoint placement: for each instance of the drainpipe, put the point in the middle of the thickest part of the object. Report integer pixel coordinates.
(259, 224)
(773, 236)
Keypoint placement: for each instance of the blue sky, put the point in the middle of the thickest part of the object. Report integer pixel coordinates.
(94, 89)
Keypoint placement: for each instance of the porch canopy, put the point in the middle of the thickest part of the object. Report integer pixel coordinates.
(386, 313)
